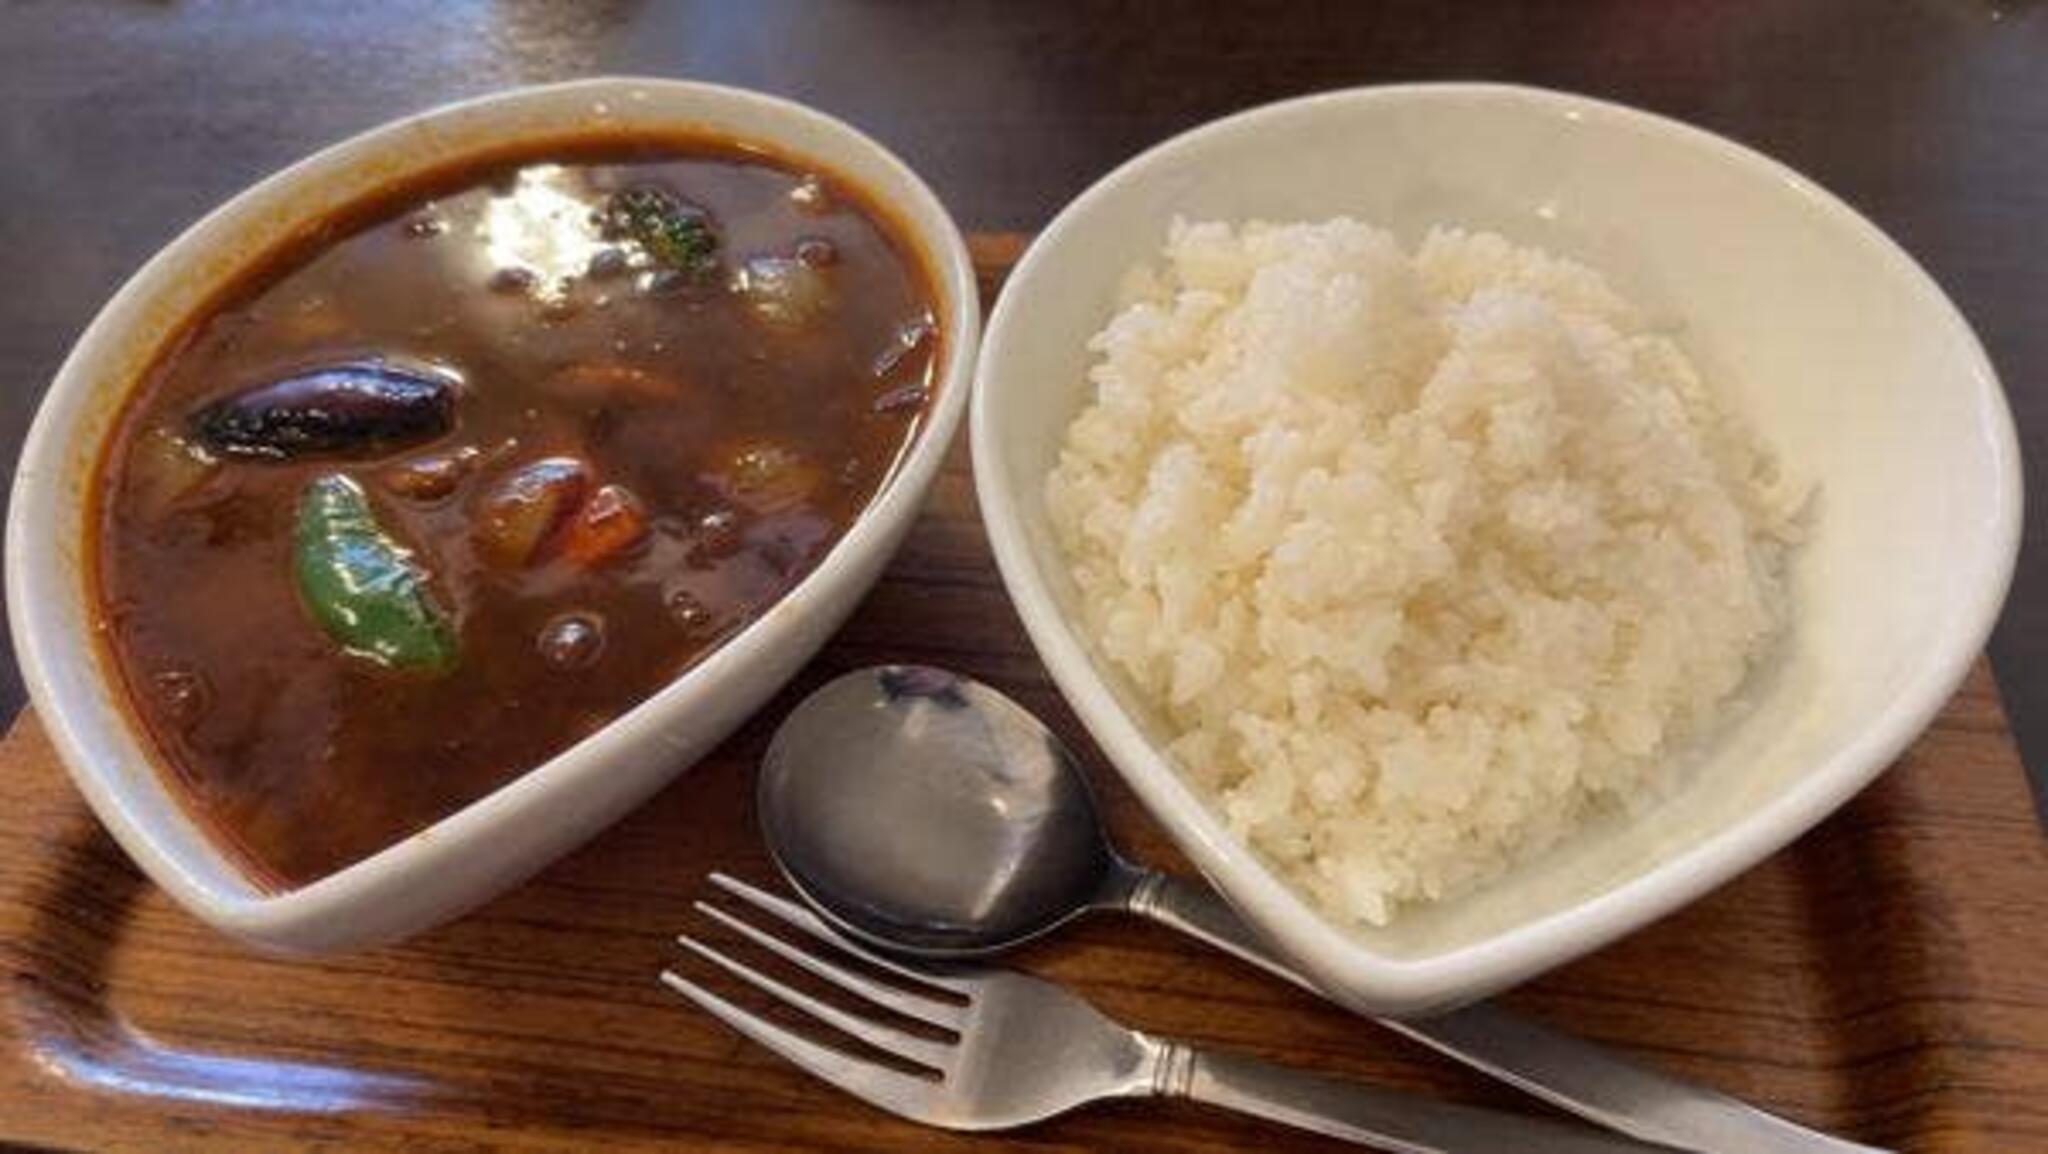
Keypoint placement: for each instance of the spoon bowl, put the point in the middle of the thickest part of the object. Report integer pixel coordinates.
(931, 814)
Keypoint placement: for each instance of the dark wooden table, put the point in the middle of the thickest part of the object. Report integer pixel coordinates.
(123, 122)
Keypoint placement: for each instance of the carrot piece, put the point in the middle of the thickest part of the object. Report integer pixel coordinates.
(518, 516)
(609, 524)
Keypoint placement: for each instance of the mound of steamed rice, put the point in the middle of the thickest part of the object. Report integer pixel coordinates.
(1421, 561)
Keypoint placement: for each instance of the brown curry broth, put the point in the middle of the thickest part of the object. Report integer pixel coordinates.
(306, 759)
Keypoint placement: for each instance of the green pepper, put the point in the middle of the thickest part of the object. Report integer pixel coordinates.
(362, 586)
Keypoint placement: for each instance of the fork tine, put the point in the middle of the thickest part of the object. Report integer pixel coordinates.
(800, 918)
(903, 1044)
(878, 1085)
(930, 1011)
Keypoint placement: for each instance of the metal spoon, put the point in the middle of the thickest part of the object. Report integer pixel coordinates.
(926, 813)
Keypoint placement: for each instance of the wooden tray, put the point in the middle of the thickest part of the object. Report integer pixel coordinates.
(1886, 977)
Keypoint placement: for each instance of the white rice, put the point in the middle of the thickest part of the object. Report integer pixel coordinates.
(1421, 560)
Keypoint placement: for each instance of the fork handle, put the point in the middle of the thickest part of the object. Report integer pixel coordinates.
(1403, 1123)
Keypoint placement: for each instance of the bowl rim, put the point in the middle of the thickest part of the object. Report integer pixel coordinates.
(1348, 969)
(283, 918)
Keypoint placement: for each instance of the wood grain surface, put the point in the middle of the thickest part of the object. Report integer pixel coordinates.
(1882, 978)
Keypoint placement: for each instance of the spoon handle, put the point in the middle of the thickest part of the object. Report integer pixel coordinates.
(1199, 912)
(1573, 1074)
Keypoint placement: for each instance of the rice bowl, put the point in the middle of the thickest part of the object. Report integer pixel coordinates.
(1840, 352)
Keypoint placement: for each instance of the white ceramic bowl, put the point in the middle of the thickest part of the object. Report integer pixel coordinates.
(503, 838)
(1841, 350)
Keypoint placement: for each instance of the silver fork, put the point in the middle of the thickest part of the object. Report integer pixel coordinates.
(1023, 1050)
